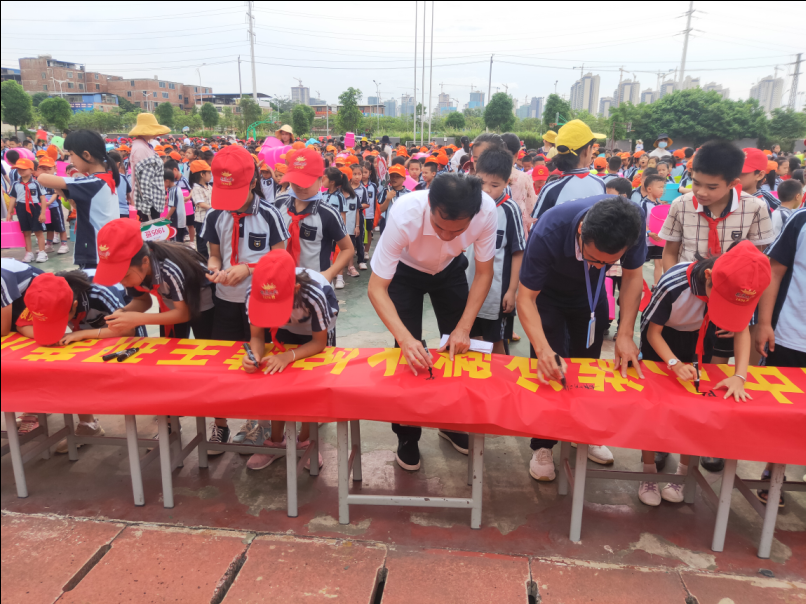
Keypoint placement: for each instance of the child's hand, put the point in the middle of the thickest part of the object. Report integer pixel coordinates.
(75, 336)
(654, 237)
(357, 231)
(724, 333)
(120, 321)
(735, 386)
(508, 303)
(685, 372)
(43, 217)
(277, 362)
(248, 365)
(765, 337)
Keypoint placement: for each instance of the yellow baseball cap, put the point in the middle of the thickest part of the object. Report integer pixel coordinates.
(573, 135)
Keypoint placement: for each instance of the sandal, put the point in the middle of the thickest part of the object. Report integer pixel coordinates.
(515, 338)
(763, 494)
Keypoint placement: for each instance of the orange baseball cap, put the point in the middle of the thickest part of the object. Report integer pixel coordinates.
(638, 154)
(124, 148)
(24, 164)
(199, 165)
(442, 160)
(40, 153)
(679, 153)
(298, 145)
(346, 171)
(600, 163)
(771, 165)
(158, 148)
(175, 155)
(205, 148)
(161, 153)
(280, 168)
(399, 170)
(47, 162)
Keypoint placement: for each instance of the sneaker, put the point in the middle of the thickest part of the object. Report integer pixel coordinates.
(41, 257)
(712, 464)
(246, 427)
(600, 454)
(258, 461)
(304, 445)
(56, 240)
(218, 434)
(29, 257)
(82, 430)
(339, 282)
(368, 256)
(541, 467)
(648, 493)
(63, 249)
(377, 229)
(408, 455)
(363, 266)
(459, 440)
(27, 423)
(49, 247)
(673, 492)
(254, 436)
(352, 271)
(763, 494)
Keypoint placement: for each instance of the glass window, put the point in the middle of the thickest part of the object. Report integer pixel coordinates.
(132, 82)
(69, 84)
(137, 103)
(81, 86)
(96, 76)
(129, 93)
(154, 94)
(180, 97)
(162, 84)
(165, 95)
(196, 89)
(156, 104)
(70, 74)
(172, 86)
(80, 76)
(97, 87)
(45, 87)
(44, 75)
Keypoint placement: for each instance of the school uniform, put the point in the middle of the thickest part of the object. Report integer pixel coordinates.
(16, 276)
(320, 228)
(685, 179)
(355, 218)
(14, 176)
(96, 204)
(28, 205)
(574, 184)
(382, 199)
(678, 170)
(123, 189)
(168, 286)
(772, 203)
(636, 196)
(317, 312)
(179, 217)
(372, 199)
(630, 173)
(259, 229)
(417, 262)
(57, 223)
(608, 177)
(779, 219)
(491, 323)
(553, 265)
(281, 199)
(268, 188)
(654, 251)
(336, 201)
(200, 194)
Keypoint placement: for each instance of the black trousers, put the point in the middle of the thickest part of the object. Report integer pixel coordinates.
(566, 329)
(448, 291)
(202, 327)
(146, 217)
(231, 324)
(358, 242)
(201, 244)
(785, 357)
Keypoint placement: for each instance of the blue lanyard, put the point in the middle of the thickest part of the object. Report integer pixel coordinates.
(592, 301)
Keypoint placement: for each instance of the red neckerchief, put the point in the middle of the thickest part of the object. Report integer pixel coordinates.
(107, 178)
(294, 247)
(28, 199)
(714, 244)
(503, 199)
(75, 324)
(236, 237)
(705, 320)
(163, 307)
(275, 340)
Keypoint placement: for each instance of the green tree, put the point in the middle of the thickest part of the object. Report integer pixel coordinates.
(38, 97)
(250, 112)
(349, 116)
(498, 112)
(599, 125)
(531, 124)
(455, 120)
(209, 115)
(282, 104)
(17, 105)
(165, 114)
(100, 121)
(194, 109)
(302, 119)
(556, 105)
(473, 112)
(128, 119)
(127, 106)
(787, 125)
(56, 111)
(228, 119)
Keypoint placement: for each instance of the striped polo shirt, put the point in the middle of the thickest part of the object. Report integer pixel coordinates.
(96, 205)
(574, 184)
(319, 232)
(673, 302)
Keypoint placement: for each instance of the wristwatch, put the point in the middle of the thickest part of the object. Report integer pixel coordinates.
(672, 363)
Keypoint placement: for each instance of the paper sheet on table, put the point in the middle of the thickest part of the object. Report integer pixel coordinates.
(475, 345)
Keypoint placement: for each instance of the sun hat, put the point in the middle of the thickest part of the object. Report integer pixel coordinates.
(233, 170)
(550, 137)
(199, 165)
(284, 128)
(118, 242)
(147, 125)
(661, 137)
(305, 166)
(49, 299)
(573, 135)
(271, 299)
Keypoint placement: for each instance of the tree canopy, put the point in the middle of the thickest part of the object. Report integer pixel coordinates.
(250, 112)
(498, 113)
(349, 116)
(209, 115)
(455, 120)
(38, 97)
(556, 105)
(165, 114)
(302, 119)
(17, 104)
(56, 111)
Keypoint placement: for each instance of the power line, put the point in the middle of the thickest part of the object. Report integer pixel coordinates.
(207, 13)
(117, 38)
(328, 17)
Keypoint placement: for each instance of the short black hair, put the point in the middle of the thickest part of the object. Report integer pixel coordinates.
(528, 158)
(653, 178)
(171, 164)
(613, 225)
(490, 138)
(12, 157)
(431, 166)
(798, 175)
(495, 162)
(719, 158)
(689, 152)
(456, 195)
(614, 163)
(399, 161)
(649, 172)
(789, 189)
(622, 186)
(512, 142)
(168, 174)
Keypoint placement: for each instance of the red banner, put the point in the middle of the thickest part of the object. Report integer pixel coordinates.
(491, 394)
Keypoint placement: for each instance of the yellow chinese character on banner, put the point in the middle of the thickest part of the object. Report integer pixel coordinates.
(197, 348)
(391, 357)
(146, 346)
(528, 370)
(61, 353)
(763, 384)
(475, 364)
(603, 373)
(15, 341)
(338, 357)
(234, 361)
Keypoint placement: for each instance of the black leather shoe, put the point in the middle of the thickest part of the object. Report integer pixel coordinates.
(408, 455)
(660, 460)
(712, 464)
(459, 440)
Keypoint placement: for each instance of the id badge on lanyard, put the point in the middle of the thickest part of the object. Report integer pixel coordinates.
(592, 301)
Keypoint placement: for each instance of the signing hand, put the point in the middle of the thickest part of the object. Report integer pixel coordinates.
(75, 336)
(120, 321)
(685, 372)
(735, 386)
(416, 356)
(248, 365)
(547, 366)
(458, 342)
(627, 351)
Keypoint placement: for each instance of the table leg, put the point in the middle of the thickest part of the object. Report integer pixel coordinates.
(72, 449)
(723, 510)
(471, 445)
(691, 479)
(165, 462)
(16, 454)
(478, 475)
(580, 473)
(771, 513)
(43, 423)
(314, 458)
(201, 430)
(291, 467)
(565, 452)
(355, 441)
(344, 472)
(177, 443)
(134, 460)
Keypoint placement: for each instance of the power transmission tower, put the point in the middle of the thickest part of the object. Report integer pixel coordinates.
(687, 31)
(252, 48)
(793, 93)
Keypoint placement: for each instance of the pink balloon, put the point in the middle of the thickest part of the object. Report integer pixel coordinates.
(272, 155)
(25, 153)
(272, 142)
(410, 183)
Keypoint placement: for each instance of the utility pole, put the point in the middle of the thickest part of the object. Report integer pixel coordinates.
(490, 80)
(793, 93)
(618, 90)
(431, 73)
(252, 48)
(422, 86)
(555, 87)
(685, 42)
(414, 97)
(377, 103)
(240, 86)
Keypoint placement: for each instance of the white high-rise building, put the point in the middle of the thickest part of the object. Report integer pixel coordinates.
(301, 94)
(627, 92)
(690, 82)
(713, 86)
(667, 88)
(649, 96)
(605, 105)
(536, 107)
(768, 93)
(407, 104)
(585, 93)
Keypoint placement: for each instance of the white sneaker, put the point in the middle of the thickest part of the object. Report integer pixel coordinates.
(48, 248)
(56, 240)
(600, 454)
(648, 493)
(41, 257)
(362, 266)
(673, 492)
(29, 257)
(541, 467)
(63, 249)
(339, 282)
(377, 229)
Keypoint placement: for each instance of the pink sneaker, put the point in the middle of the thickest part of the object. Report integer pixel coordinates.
(304, 445)
(27, 423)
(258, 461)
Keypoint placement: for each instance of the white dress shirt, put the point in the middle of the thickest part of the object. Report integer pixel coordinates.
(410, 238)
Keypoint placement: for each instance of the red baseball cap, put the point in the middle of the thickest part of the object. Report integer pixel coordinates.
(399, 170)
(540, 173)
(118, 242)
(233, 170)
(49, 300)
(754, 160)
(305, 166)
(739, 278)
(272, 298)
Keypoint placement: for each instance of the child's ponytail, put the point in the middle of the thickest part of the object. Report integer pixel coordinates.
(90, 141)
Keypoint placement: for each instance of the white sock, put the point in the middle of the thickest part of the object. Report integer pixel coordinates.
(93, 425)
(682, 469)
(649, 468)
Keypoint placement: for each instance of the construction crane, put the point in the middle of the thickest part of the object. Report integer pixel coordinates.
(298, 80)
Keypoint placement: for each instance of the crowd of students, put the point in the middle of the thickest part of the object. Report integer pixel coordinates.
(486, 228)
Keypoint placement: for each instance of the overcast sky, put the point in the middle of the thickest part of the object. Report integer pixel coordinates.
(333, 45)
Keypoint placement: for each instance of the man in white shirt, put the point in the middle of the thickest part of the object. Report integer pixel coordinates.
(420, 253)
